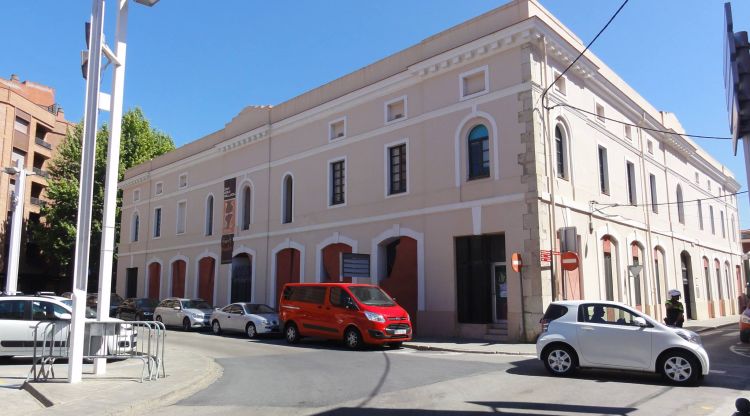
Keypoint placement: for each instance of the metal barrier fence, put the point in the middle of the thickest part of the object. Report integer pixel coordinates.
(143, 340)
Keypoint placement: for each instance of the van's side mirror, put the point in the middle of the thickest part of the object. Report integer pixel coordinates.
(177, 308)
(350, 305)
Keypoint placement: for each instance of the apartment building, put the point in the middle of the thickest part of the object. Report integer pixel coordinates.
(440, 162)
(31, 126)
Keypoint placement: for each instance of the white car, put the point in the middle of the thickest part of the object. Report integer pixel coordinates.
(610, 335)
(185, 313)
(19, 316)
(250, 318)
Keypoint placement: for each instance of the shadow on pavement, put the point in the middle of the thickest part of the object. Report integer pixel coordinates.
(505, 408)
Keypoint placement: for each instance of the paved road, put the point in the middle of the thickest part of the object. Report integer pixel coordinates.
(317, 377)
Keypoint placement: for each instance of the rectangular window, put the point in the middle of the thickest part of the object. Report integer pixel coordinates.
(700, 214)
(337, 129)
(159, 188)
(628, 132)
(474, 82)
(711, 217)
(181, 216)
(397, 169)
(157, 222)
(136, 195)
(723, 229)
(395, 109)
(183, 181)
(650, 146)
(338, 184)
(697, 178)
(21, 126)
(654, 203)
(560, 83)
(630, 168)
(603, 171)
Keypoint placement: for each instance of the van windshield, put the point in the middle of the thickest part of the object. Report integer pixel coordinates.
(372, 296)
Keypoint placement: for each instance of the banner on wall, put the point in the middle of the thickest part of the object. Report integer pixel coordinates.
(228, 220)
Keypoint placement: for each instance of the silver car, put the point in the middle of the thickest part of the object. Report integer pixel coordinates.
(250, 318)
(185, 313)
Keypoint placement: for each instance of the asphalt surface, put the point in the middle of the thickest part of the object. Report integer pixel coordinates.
(317, 377)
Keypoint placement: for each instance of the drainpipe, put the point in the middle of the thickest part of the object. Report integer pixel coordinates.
(550, 176)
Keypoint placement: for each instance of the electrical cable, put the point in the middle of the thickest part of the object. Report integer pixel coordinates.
(637, 126)
(616, 204)
(584, 50)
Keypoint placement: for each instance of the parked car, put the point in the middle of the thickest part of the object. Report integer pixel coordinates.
(19, 316)
(358, 314)
(187, 313)
(137, 309)
(745, 325)
(250, 318)
(611, 335)
(92, 300)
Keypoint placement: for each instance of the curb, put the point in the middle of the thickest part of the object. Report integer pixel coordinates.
(710, 328)
(434, 348)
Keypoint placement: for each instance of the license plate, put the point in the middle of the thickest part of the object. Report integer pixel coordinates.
(400, 332)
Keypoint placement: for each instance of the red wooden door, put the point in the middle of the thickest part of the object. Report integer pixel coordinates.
(401, 283)
(154, 280)
(206, 268)
(287, 269)
(178, 279)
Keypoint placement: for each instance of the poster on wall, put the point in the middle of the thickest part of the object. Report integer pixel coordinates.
(228, 220)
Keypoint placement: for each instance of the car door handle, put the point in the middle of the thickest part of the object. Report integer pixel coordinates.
(587, 328)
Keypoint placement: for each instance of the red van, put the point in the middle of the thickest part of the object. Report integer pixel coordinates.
(355, 313)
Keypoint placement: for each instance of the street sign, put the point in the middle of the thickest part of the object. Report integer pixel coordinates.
(569, 260)
(545, 256)
(515, 262)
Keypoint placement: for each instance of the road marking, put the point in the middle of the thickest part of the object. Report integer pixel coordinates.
(740, 349)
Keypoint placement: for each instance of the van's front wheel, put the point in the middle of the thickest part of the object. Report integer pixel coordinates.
(291, 333)
(353, 339)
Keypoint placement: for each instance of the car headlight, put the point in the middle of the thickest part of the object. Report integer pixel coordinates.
(375, 317)
(195, 315)
(745, 319)
(690, 336)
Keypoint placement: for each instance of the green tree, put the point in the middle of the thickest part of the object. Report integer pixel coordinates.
(56, 234)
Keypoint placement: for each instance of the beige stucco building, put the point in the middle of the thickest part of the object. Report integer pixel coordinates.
(31, 126)
(440, 161)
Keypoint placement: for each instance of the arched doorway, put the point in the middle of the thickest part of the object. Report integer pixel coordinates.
(154, 280)
(331, 259)
(206, 277)
(709, 288)
(287, 269)
(242, 278)
(178, 278)
(687, 284)
(398, 272)
(609, 253)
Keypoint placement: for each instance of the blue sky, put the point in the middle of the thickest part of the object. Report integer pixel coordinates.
(192, 65)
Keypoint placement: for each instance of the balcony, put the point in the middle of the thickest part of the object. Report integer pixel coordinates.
(42, 143)
(41, 172)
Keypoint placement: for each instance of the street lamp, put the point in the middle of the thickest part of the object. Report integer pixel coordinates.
(88, 144)
(11, 279)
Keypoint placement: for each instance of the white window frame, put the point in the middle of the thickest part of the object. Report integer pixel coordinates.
(387, 167)
(469, 73)
(329, 173)
(330, 129)
(179, 181)
(177, 218)
(157, 186)
(388, 103)
(627, 132)
(161, 223)
(562, 81)
(635, 182)
(600, 118)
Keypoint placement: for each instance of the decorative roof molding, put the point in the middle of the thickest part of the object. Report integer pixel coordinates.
(243, 140)
(134, 180)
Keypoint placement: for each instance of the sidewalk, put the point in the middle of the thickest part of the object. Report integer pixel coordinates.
(529, 349)
(118, 392)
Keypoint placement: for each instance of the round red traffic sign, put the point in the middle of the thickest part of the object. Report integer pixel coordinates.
(569, 260)
(515, 262)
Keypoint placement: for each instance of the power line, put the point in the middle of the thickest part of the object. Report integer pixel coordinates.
(617, 204)
(637, 126)
(585, 49)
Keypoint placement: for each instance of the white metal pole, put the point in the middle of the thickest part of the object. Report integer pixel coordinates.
(85, 196)
(110, 184)
(11, 281)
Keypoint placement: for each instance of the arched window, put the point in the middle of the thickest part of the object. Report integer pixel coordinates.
(246, 207)
(287, 200)
(135, 225)
(210, 215)
(561, 150)
(680, 207)
(479, 152)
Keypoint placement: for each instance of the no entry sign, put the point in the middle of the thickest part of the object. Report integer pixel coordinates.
(569, 260)
(515, 262)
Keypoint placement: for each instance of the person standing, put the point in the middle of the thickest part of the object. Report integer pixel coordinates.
(675, 309)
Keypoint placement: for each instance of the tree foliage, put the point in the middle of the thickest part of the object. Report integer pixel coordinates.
(56, 234)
